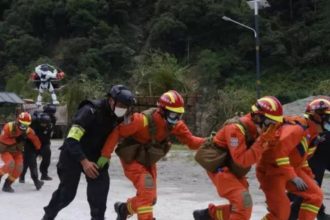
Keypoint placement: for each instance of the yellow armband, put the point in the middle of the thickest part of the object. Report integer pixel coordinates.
(76, 132)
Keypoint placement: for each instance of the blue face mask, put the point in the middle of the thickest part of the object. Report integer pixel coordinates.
(326, 126)
(172, 117)
(172, 121)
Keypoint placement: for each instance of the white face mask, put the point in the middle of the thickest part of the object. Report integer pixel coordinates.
(120, 112)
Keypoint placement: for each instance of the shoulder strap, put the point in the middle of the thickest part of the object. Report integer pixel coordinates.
(151, 124)
(236, 120)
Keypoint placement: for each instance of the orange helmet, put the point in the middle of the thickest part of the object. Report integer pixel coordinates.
(24, 120)
(270, 107)
(319, 105)
(171, 101)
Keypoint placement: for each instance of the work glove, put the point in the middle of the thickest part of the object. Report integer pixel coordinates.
(299, 183)
(102, 161)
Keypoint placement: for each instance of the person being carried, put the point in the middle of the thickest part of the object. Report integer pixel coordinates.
(146, 142)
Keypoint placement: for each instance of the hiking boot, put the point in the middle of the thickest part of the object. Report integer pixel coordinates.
(7, 186)
(46, 177)
(121, 210)
(202, 214)
(38, 184)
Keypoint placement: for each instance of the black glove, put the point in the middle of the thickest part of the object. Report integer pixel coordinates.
(299, 183)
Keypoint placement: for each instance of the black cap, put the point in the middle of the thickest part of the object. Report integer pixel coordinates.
(44, 118)
(122, 94)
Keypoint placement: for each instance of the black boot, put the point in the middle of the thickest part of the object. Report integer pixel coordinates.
(121, 210)
(38, 184)
(202, 214)
(47, 217)
(7, 186)
(46, 177)
(323, 216)
(21, 179)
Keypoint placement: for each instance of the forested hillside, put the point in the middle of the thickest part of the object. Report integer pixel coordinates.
(157, 45)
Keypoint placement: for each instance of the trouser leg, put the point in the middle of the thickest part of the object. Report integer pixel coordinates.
(46, 156)
(97, 194)
(69, 171)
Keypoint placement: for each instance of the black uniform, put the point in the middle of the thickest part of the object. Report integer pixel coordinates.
(319, 163)
(97, 120)
(30, 154)
(45, 151)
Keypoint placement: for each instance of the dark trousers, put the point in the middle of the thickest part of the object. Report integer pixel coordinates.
(45, 153)
(30, 161)
(319, 163)
(69, 171)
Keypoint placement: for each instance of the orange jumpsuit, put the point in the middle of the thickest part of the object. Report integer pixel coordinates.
(232, 137)
(144, 178)
(13, 160)
(279, 164)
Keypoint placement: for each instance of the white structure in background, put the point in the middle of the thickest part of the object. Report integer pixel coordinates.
(44, 75)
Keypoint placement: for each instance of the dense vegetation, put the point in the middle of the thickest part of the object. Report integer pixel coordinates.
(163, 44)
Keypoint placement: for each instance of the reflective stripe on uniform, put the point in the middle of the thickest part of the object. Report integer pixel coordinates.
(144, 209)
(129, 208)
(304, 143)
(76, 132)
(305, 164)
(219, 215)
(311, 150)
(309, 207)
(145, 121)
(241, 128)
(282, 161)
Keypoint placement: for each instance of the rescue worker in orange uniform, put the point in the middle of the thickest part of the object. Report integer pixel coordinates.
(146, 142)
(282, 169)
(12, 140)
(317, 121)
(244, 148)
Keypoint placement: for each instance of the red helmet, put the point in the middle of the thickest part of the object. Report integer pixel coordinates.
(24, 118)
(270, 107)
(171, 101)
(320, 105)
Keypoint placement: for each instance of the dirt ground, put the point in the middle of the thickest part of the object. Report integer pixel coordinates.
(182, 187)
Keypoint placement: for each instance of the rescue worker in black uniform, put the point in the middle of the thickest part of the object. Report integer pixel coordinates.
(45, 151)
(41, 124)
(81, 152)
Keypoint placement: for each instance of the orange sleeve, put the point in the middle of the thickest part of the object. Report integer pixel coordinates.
(306, 169)
(125, 129)
(5, 134)
(239, 152)
(184, 135)
(135, 124)
(34, 139)
(6, 130)
(290, 137)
